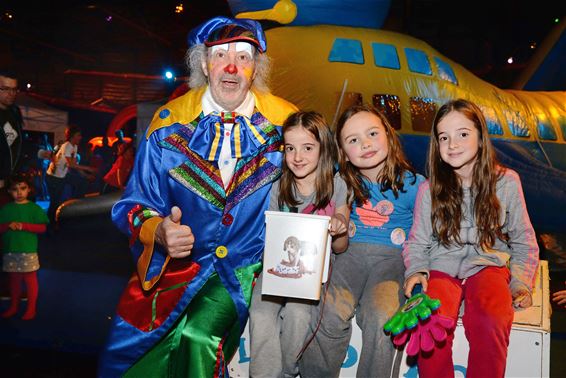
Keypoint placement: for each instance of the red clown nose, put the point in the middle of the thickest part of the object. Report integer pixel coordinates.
(231, 69)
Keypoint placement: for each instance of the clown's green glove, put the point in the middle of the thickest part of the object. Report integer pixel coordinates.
(419, 306)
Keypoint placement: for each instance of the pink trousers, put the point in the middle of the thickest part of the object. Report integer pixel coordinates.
(488, 316)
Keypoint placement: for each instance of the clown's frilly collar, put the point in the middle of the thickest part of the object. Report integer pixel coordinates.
(186, 108)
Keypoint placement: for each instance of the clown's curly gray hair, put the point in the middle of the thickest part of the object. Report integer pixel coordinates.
(197, 54)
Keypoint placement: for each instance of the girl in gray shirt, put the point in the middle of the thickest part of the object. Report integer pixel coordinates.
(471, 241)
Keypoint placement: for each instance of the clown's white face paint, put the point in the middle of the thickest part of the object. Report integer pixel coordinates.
(240, 46)
(213, 49)
(244, 46)
(230, 69)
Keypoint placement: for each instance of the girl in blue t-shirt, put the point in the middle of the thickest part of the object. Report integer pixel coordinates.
(367, 279)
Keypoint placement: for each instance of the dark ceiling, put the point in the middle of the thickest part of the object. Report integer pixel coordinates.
(113, 53)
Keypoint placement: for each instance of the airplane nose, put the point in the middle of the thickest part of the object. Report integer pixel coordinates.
(231, 69)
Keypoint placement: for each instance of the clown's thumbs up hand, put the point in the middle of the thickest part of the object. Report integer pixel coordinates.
(176, 238)
(175, 215)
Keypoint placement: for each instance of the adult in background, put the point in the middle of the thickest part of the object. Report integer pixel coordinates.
(194, 209)
(11, 125)
(58, 172)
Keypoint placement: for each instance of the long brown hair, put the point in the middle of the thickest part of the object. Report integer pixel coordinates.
(396, 165)
(315, 124)
(446, 189)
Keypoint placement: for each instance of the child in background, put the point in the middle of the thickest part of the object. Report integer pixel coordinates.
(20, 222)
(117, 176)
(470, 224)
(279, 326)
(366, 280)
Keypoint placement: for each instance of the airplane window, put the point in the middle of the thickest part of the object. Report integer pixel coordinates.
(347, 51)
(349, 99)
(517, 124)
(493, 125)
(445, 71)
(385, 55)
(423, 111)
(390, 106)
(544, 128)
(418, 61)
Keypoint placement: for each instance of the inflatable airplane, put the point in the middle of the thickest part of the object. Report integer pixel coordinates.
(328, 67)
(329, 56)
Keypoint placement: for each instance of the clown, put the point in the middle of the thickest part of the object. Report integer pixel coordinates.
(193, 209)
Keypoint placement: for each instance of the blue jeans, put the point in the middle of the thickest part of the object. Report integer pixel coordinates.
(55, 185)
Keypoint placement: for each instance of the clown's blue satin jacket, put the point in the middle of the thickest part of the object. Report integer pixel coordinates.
(228, 225)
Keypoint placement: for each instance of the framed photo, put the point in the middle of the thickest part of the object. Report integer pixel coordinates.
(296, 255)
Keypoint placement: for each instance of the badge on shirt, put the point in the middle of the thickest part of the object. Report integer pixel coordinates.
(11, 133)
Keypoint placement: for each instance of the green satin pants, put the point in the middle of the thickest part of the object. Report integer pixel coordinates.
(204, 338)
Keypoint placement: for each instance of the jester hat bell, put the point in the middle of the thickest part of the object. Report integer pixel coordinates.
(219, 30)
